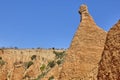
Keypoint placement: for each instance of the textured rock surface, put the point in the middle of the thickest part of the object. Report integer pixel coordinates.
(85, 50)
(16, 61)
(54, 72)
(109, 66)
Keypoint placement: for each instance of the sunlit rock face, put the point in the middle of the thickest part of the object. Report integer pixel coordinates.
(109, 66)
(84, 53)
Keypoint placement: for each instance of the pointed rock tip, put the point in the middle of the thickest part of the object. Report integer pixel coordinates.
(83, 9)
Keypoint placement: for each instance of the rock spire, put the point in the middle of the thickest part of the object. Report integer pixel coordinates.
(84, 52)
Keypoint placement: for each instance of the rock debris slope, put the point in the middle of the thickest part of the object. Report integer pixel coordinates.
(85, 50)
(109, 66)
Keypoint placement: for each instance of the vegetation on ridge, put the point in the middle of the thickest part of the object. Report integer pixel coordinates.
(59, 58)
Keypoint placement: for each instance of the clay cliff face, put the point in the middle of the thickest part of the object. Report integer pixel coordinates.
(26, 64)
(85, 50)
(109, 66)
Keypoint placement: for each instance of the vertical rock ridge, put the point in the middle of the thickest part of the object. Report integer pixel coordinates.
(109, 66)
(84, 52)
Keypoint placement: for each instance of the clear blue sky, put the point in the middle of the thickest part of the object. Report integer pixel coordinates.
(50, 23)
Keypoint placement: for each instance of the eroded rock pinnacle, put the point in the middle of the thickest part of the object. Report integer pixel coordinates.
(85, 50)
(83, 9)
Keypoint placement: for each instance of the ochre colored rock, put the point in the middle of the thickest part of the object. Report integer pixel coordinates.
(18, 73)
(54, 72)
(85, 50)
(16, 62)
(109, 66)
(3, 73)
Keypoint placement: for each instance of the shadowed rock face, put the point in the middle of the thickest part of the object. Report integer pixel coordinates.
(84, 52)
(109, 66)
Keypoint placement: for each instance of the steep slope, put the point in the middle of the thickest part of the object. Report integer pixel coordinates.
(109, 66)
(85, 50)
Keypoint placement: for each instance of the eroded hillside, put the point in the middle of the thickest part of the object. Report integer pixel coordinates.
(29, 64)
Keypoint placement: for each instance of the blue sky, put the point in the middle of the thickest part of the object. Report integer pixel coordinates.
(50, 23)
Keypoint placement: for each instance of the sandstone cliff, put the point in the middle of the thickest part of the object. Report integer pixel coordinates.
(109, 66)
(85, 50)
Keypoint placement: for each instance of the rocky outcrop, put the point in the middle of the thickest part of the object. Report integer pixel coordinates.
(109, 66)
(84, 52)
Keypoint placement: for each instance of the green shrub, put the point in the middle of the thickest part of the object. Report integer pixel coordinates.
(59, 62)
(28, 64)
(51, 64)
(2, 62)
(51, 78)
(42, 68)
(33, 57)
(59, 54)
